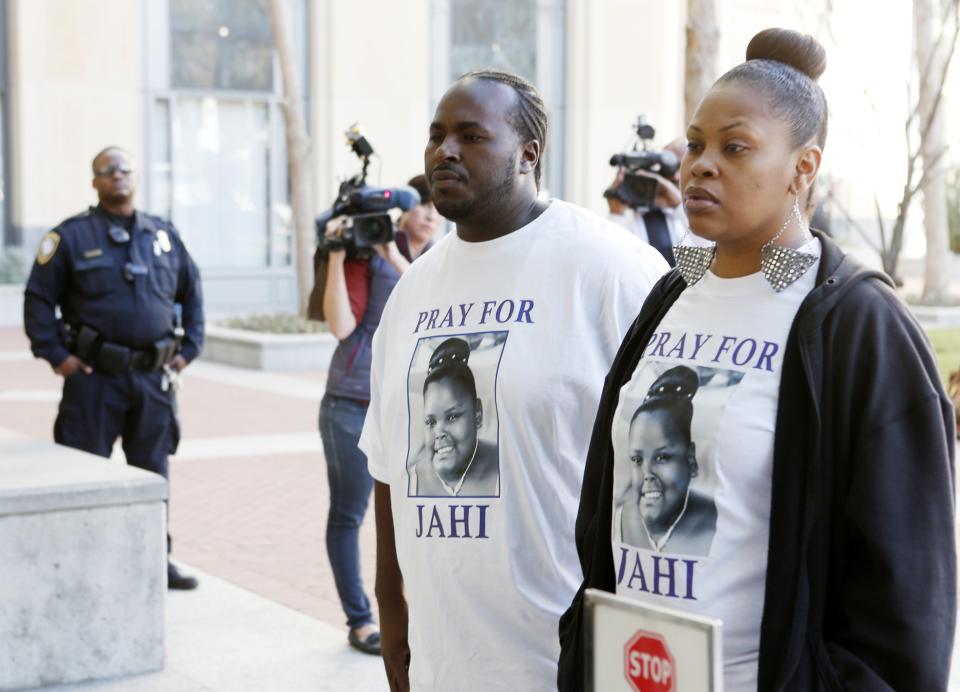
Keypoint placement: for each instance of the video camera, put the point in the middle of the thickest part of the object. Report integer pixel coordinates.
(365, 207)
(635, 190)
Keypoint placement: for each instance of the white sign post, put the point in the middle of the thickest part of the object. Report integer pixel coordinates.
(632, 647)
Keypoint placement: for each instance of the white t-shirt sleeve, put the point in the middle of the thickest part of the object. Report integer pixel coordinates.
(628, 284)
(371, 438)
(676, 223)
(623, 219)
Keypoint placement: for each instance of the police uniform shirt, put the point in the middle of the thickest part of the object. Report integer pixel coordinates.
(126, 291)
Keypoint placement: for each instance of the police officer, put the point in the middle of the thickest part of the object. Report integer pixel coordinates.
(131, 319)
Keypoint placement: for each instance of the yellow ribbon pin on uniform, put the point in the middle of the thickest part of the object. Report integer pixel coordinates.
(48, 247)
(164, 240)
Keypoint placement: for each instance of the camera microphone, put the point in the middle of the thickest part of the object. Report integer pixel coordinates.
(646, 160)
(372, 199)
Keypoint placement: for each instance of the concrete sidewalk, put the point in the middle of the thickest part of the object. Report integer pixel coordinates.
(221, 638)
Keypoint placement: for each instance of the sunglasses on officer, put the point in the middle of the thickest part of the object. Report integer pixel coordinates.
(112, 168)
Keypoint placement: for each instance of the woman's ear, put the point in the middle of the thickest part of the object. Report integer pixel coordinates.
(806, 169)
(478, 413)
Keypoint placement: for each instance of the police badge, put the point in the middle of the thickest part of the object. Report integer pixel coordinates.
(163, 239)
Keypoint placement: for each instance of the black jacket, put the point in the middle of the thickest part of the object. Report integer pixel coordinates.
(861, 576)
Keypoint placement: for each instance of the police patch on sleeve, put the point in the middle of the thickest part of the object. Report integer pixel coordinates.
(48, 247)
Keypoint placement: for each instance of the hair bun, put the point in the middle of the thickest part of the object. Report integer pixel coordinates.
(450, 354)
(679, 382)
(800, 51)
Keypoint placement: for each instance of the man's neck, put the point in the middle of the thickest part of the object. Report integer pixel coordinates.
(118, 209)
(511, 218)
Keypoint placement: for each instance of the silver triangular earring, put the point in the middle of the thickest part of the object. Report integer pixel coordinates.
(781, 265)
(693, 261)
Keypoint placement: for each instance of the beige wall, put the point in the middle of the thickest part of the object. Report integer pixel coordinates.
(624, 57)
(74, 88)
(370, 62)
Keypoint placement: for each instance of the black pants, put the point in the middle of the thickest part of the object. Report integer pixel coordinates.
(96, 409)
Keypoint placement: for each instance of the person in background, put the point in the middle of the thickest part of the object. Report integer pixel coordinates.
(663, 225)
(354, 296)
(132, 320)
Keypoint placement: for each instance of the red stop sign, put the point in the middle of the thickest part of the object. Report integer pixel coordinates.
(648, 664)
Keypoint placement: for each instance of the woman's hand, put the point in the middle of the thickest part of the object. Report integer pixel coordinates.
(391, 253)
(333, 232)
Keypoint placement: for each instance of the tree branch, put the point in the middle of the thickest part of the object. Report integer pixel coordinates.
(853, 222)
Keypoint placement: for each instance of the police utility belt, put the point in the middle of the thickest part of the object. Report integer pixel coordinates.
(112, 358)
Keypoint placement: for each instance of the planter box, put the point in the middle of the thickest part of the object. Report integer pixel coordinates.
(271, 352)
(83, 549)
(937, 316)
(11, 305)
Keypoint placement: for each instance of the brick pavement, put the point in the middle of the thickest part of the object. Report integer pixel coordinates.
(259, 522)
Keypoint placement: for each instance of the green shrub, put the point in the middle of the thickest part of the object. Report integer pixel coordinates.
(953, 208)
(275, 324)
(946, 344)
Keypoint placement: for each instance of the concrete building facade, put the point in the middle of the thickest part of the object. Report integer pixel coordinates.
(193, 90)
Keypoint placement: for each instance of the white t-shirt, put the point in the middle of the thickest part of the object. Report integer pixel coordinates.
(693, 458)
(536, 317)
(633, 222)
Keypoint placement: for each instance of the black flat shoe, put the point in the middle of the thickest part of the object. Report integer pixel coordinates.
(370, 645)
(179, 581)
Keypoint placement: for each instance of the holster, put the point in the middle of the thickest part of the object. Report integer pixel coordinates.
(163, 351)
(113, 358)
(86, 343)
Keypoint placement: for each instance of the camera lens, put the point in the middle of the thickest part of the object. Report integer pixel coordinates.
(372, 229)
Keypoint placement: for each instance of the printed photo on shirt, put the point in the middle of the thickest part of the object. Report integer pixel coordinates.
(664, 439)
(454, 428)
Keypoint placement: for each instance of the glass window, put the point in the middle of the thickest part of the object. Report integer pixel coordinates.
(221, 149)
(525, 37)
(221, 44)
(216, 145)
(501, 34)
(160, 169)
(15, 257)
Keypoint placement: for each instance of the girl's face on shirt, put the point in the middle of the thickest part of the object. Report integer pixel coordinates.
(739, 175)
(662, 467)
(450, 422)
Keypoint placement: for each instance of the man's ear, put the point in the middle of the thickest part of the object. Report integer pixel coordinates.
(692, 459)
(530, 156)
(478, 413)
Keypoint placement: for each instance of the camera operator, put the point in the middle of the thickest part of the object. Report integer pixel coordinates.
(354, 295)
(663, 225)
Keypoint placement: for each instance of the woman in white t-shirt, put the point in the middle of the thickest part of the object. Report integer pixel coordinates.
(820, 437)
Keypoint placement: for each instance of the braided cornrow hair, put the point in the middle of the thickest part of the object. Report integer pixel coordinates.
(530, 115)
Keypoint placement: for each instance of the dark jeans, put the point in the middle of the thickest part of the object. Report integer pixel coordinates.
(341, 421)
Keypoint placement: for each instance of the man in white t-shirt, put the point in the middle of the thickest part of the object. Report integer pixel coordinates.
(487, 370)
